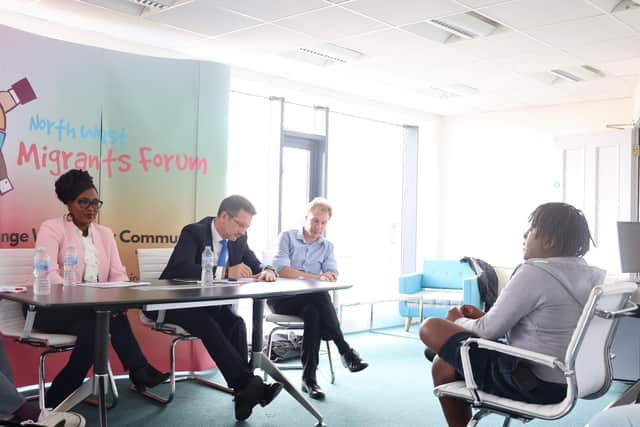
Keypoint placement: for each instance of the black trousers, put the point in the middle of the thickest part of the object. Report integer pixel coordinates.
(320, 322)
(82, 324)
(223, 334)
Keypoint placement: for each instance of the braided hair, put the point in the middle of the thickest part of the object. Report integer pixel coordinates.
(563, 224)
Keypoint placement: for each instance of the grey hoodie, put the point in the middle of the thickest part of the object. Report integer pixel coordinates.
(536, 312)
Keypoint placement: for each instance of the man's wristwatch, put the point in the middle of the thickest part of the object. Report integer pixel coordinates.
(269, 267)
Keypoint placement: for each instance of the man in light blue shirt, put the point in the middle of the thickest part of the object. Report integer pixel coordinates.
(306, 254)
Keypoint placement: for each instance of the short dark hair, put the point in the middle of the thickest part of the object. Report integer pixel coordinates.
(71, 183)
(565, 225)
(234, 203)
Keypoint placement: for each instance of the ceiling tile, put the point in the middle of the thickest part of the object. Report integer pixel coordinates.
(267, 38)
(401, 12)
(535, 13)
(626, 67)
(581, 32)
(607, 88)
(204, 18)
(270, 10)
(540, 60)
(631, 17)
(479, 3)
(331, 23)
(496, 46)
(386, 43)
(610, 50)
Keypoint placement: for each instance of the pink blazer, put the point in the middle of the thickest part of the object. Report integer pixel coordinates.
(55, 234)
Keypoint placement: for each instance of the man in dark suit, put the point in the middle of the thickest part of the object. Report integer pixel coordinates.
(223, 333)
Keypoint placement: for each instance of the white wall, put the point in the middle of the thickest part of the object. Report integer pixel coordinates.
(636, 103)
(497, 167)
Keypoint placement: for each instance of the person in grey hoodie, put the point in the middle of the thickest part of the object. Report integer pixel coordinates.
(538, 311)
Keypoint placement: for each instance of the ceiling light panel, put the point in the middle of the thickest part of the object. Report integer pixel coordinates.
(402, 12)
(331, 23)
(535, 13)
(581, 32)
(465, 25)
(272, 9)
(204, 18)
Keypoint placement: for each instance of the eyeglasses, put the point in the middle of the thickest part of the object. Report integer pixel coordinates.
(85, 203)
(240, 224)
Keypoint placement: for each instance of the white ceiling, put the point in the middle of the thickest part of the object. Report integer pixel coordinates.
(399, 63)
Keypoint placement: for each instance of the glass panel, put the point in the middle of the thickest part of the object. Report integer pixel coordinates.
(295, 186)
(365, 189)
(249, 122)
(299, 118)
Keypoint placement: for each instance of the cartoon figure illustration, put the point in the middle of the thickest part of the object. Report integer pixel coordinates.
(20, 93)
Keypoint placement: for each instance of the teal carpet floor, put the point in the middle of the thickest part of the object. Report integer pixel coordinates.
(396, 390)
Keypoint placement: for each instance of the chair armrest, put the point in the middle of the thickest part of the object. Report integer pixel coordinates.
(410, 283)
(544, 359)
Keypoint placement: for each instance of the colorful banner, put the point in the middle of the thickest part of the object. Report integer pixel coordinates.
(152, 132)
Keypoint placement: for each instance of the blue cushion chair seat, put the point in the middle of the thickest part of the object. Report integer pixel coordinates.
(442, 284)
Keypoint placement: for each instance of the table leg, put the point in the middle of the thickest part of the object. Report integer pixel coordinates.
(260, 361)
(99, 386)
(101, 365)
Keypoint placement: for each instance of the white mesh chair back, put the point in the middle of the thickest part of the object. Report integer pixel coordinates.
(152, 261)
(16, 267)
(592, 338)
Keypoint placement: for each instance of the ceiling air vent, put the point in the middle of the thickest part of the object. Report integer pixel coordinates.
(137, 7)
(154, 4)
(325, 54)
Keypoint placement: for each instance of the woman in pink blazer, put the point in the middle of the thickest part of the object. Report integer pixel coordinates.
(98, 260)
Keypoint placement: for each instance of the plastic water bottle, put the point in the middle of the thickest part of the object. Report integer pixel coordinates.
(41, 285)
(70, 262)
(207, 266)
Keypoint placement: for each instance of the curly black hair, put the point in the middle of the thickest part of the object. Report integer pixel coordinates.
(565, 225)
(71, 183)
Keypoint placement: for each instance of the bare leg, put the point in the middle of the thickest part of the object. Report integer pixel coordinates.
(434, 332)
(457, 412)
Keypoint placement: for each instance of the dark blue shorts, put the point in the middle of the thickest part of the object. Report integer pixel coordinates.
(501, 374)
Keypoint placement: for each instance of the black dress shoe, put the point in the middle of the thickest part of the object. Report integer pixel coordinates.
(312, 388)
(147, 376)
(269, 392)
(353, 362)
(248, 397)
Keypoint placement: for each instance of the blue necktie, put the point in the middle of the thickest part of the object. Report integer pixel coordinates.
(222, 259)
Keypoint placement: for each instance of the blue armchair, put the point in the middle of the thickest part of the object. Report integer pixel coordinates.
(441, 285)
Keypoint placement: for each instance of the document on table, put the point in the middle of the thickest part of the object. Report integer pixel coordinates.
(108, 285)
(197, 284)
(218, 282)
(13, 289)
